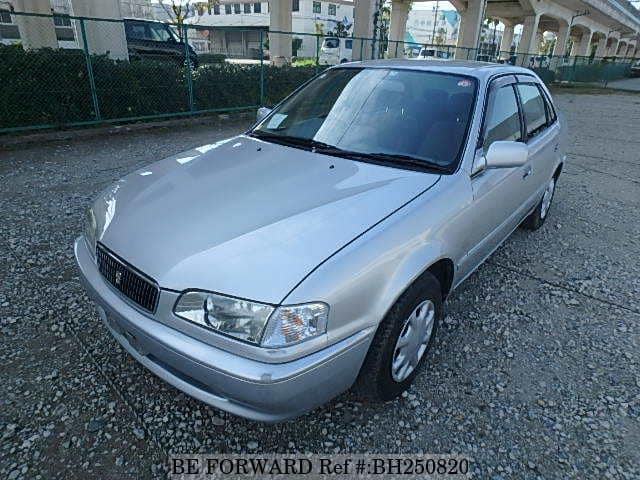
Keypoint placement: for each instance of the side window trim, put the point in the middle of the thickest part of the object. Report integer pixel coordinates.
(523, 123)
(528, 136)
(552, 117)
(494, 84)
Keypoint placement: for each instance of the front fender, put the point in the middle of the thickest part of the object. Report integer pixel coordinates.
(363, 280)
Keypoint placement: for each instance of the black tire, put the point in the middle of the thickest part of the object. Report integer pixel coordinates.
(344, 60)
(375, 381)
(536, 219)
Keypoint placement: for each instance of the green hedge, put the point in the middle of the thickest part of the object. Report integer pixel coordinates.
(595, 72)
(52, 86)
(546, 75)
(204, 58)
(48, 86)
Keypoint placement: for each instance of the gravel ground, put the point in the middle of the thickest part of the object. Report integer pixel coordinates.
(535, 373)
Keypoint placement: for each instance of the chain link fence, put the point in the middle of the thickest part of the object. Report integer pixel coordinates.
(61, 70)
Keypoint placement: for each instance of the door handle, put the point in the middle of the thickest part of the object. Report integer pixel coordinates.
(527, 172)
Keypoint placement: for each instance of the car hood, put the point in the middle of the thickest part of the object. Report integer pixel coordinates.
(244, 217)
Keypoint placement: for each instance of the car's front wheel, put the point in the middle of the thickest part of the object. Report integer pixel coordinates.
(536, 218)
(399, 348)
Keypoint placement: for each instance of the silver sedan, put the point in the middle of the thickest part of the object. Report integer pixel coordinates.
(267, 273)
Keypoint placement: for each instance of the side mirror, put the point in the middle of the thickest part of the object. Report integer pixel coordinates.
(501, 155)
(262, 112)
(506, 155)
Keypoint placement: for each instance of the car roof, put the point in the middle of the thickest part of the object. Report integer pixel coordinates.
(481, 70)
(146, 20)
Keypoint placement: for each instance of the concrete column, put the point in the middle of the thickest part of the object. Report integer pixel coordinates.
(620, 49)
(539, 39)
(562, 38)
(280, 20)
(527, 47)
(507, 40)
(469, 29)
(574, 46)
(363, 14)
(581, 47)
(102, 37)
(397, 27)
(35, 32)
(630, 50)
(601, 51)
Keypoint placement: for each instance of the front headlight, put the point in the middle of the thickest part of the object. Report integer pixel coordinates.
(239, 318)
(251, 321)
(90, 230)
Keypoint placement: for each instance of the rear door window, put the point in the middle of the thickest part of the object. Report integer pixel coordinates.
(533, 108)
(551, 112)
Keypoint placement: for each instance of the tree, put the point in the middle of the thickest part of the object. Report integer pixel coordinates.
(340, 30)
(546, 46)
(179, 10)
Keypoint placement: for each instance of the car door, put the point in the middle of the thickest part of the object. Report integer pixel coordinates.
(145, 39)
(499, 194)
(542, 134)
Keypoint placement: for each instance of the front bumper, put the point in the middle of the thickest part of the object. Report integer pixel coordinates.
(261, 391)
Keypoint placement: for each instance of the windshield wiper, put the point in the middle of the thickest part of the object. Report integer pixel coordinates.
(308, 143)
(410, 160)
(398, 160)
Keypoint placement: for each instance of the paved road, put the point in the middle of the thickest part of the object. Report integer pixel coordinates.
(535, 373)
(626, 84)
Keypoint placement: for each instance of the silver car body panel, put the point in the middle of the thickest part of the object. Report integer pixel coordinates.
(258, 390)
(281, 225)
(246, 218)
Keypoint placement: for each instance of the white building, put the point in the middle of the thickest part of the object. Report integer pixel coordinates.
(64, 29)
(249, 18)
(424, 28)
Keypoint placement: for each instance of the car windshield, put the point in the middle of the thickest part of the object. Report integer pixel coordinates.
(412, 118)
(331, 43)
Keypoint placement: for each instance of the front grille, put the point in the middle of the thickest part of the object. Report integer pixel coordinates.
(138, 288)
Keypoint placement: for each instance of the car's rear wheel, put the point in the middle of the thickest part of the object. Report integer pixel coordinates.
(537, 218)
(399, 349)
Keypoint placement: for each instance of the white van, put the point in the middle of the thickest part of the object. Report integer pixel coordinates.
(433, 54)
(336, 50)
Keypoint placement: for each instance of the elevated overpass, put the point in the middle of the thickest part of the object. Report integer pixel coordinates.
(613, 25)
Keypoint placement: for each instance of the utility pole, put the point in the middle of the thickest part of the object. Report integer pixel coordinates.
(579, 13)
(477, 47)
(435, 21)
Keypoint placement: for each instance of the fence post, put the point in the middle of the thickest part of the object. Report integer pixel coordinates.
(396, 54)
(92, 81)
(187, 60)
(261, 68)
(317, 53)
